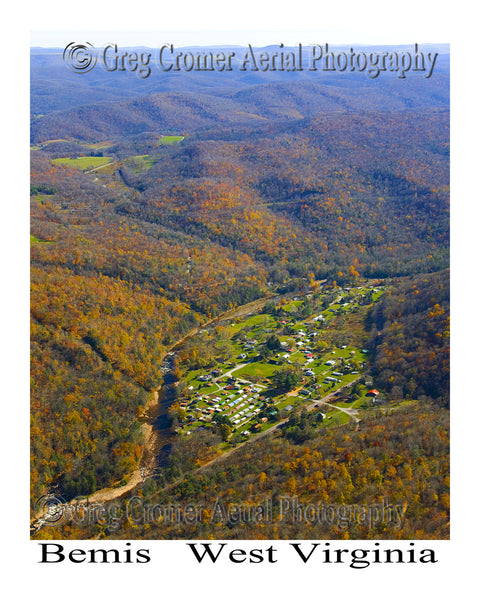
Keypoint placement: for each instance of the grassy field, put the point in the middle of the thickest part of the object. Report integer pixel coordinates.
(35, 240)
(171, 139)
(257, 369)
(333, 419)
(40, 198)
(256, 321)
(94, 145)
(98, 145)
(142, 162)
(292, 306)
(84, 163)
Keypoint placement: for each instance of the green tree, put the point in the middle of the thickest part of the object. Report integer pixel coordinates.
(286, 379)
(225, 431)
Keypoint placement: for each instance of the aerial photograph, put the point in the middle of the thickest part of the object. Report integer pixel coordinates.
(239, 290)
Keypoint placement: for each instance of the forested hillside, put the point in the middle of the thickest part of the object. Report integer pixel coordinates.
(276, 489)
(410, 337)
(153, 213)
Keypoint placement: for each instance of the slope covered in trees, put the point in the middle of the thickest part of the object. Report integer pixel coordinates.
(319, 489)
(410, 339)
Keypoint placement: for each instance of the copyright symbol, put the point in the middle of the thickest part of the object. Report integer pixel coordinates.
(80, 58)
(53, 509)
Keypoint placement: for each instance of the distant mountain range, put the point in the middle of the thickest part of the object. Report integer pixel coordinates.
(100, 104)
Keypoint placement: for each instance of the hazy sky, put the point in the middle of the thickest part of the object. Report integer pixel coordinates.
(154, 39)
(217, 22)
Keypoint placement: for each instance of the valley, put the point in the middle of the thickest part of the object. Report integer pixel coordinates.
(226, 278)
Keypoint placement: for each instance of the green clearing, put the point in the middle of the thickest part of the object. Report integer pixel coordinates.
(354, 404)
(333, 419)
(253, 323)
(146, 161)
(141, 162)
(171, 139)
(289, 401)
(36, 240)
(257, 369)
(401, 403)
(98, 145)
(41, 198)
(292, 306)
(84, 163)
(92, 145)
